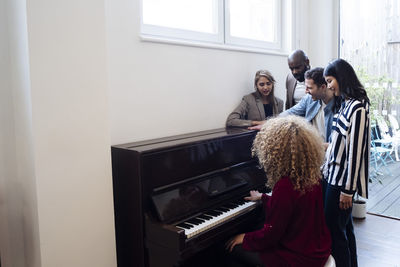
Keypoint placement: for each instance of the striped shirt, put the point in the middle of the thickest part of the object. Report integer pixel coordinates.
(347, 157)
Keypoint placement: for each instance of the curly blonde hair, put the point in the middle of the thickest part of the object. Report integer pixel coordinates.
(290, 146)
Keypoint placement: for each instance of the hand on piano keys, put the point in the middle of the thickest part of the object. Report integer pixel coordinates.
(254, 196)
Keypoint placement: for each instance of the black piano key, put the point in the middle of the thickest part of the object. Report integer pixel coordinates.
(222, 209)
(205, 217)
(239, 202)
(218, 212)
(185, 225)
(201, 219)
(213, 213)
(195, 221)
(230, 205)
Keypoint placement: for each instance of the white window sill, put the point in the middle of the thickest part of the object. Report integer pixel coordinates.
(156, 39)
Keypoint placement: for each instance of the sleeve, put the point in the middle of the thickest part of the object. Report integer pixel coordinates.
(299, 109)
(356, 147)
(280, 211)
(280, 105)
(287, 94)
(238, 117)
(265, 198)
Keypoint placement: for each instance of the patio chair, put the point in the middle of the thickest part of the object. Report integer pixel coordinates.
(380, 157)
(395, 135)
(381, 134)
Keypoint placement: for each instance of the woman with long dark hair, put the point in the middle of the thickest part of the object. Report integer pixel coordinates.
(347, 159)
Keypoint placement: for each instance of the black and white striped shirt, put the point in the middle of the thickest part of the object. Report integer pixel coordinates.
(347, 157)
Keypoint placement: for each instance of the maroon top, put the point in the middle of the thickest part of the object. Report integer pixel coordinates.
(294, 232)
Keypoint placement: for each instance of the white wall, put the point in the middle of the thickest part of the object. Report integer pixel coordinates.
(56, 198)
(71, 132)
(160, 89)
(323, 31)
(19, 230)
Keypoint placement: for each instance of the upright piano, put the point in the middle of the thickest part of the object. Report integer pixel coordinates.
(176, 197)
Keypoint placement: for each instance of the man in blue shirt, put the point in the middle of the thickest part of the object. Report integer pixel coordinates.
(316, 106)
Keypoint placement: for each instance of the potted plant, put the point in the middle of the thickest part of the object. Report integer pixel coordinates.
(359, 208)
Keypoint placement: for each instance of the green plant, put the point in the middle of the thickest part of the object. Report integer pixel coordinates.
(380, 90)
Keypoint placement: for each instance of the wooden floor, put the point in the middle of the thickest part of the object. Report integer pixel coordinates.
(378, 241)
(384, 192)
(378, 238)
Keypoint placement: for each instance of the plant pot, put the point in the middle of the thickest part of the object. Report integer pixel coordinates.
(359, 209)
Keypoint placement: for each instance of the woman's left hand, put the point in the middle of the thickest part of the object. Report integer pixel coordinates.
(345, 202)
(254, 123)
(236, 240)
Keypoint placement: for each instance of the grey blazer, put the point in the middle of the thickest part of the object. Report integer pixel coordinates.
(290, 86)
(252, 109)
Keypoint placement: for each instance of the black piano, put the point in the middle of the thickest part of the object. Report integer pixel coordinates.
(176, 197)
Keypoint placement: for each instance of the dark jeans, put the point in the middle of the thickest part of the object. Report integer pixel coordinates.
(340, 224)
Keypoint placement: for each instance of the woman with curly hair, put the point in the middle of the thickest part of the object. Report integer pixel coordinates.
(294, 233)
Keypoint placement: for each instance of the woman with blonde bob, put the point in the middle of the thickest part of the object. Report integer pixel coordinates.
(258, 106)
(294, 233)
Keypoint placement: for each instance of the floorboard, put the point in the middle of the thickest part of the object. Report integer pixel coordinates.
(378, 237)
(384, 192)
(378, 241)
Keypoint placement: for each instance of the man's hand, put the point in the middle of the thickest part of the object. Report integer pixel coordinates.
(236, 240)
(254, 196)
(345, 202)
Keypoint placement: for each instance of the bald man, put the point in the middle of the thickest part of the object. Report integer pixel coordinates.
(295, 87)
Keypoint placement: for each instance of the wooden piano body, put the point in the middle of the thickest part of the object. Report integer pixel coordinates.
(161, 183)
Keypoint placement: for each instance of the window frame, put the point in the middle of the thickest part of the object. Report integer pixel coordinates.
(220, 40)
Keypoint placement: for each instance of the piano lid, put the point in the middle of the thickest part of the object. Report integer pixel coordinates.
(165, 142)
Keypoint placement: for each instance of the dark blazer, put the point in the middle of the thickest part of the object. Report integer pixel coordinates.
(290, 86)
(252, 109)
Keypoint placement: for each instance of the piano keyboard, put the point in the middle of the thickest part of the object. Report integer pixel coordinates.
(211, 218)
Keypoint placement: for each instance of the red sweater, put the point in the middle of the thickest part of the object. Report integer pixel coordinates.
(294, 232)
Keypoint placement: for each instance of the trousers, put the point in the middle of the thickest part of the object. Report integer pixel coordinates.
(340, 224)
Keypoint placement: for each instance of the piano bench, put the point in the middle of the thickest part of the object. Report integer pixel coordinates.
(330, 262)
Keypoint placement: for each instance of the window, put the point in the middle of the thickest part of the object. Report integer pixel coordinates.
(183, 19)
(250, 23)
